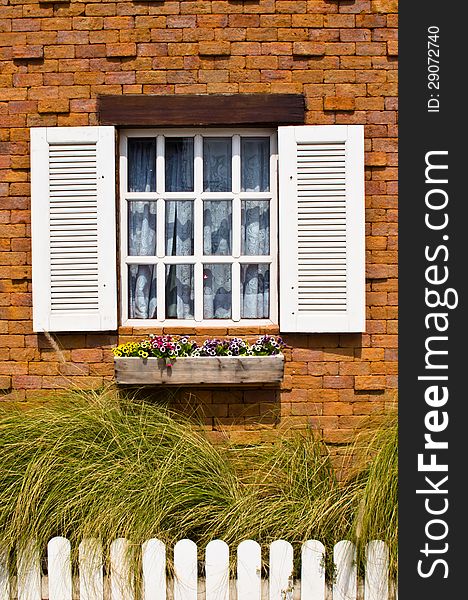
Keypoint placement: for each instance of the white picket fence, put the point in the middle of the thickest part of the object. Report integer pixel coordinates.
(93, 584)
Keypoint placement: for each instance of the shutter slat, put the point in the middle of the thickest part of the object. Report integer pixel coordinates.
(74, 244)
(321, 174)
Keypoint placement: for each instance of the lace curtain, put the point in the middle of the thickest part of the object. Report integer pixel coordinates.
(217, 229)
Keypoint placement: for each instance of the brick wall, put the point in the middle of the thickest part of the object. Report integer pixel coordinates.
(57, 57)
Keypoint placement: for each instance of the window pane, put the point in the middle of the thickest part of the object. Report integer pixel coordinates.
(217, 227)
(255, 164)
(179, 292)
(142, 291)
(255, 227)
(255, 291)
(217, 291)
(179, 164)
(217, 164)
(179, 227)
(141, 165)
(142, 228)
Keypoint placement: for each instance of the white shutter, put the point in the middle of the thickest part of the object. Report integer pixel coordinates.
(321, 223)
(73, 228)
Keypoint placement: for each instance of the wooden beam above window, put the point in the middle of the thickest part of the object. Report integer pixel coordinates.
(201, 110)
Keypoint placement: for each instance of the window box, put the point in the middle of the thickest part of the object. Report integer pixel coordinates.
(203, 370)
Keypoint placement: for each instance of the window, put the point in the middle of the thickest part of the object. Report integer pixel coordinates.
(199, 237)
(198, 219)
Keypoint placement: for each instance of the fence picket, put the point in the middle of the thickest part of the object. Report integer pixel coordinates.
(121, 578)
(4, 574)
(249, 571)
(29, 572)
(121, 582)
(91, 570)
(376, 572)
(59, 569)
(312, 571)
(217, 570)
(185, 570)
(154, 570)
(345, 585)
(281, 567)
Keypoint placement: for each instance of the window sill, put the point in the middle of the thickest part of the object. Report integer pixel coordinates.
(253, 327)
(200, 371)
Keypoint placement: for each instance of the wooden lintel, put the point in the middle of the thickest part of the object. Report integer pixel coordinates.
(202, 110)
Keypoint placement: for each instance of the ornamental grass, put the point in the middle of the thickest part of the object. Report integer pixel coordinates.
(96, 465)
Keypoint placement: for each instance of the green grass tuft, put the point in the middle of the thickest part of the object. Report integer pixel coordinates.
(96, 465)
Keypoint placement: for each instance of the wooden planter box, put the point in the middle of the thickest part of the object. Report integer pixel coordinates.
(232, 370)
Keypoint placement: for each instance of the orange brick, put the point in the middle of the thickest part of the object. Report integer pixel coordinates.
(339, 103)
(338, 408)
(218, 48)
(28, 52)
(338, 381)
(308, 49)
(376, 159)
(371, 48)
(13, 367)
(370, 382)
(5, 382)
(54, 106)
(385, 6)
(339, 20)
(392, 48)
(26, 381)
(121, 50)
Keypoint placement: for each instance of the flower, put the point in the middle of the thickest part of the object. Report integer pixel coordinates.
(171, 347)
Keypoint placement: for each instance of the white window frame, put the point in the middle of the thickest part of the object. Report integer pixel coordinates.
(198, 195)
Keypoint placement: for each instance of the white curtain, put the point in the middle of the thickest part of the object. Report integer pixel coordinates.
(217, 229)
(255, 164)
(217, 291)
(255, 241)
(179, 242)
(179, 164)
(142, 165)
(255, 291)
(142, 242)
(217, 161)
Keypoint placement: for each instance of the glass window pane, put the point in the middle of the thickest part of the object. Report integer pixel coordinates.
(216, 291)
(141, 165)
(217, 164)
(255, 291)
(217, 227)
(179, 227)
(142, 291)
(255, 227)
(179, 292)
(142, 228)
(255, 164)
(179, 164)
